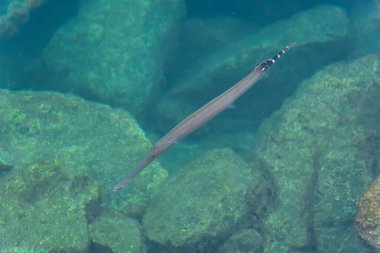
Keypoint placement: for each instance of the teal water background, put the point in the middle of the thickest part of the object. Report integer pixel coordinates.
(87, 86)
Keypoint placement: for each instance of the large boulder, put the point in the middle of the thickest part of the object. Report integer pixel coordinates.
(44, 208)
(201, 205)
(117, 234)
(245, 241)
(114, 50)
(317, 149)
(104, 142)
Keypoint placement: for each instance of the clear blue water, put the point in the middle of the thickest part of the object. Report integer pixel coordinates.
(162, 63)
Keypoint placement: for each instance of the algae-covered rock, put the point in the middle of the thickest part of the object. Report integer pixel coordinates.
(91, 137)
(349, 156)
(365, 23)
(316, 148)
(118, 234)
(341, 238)
(344, 173)
(201, 205)
(245, 241)
(44, 208)
(114, 50)
(368, 215)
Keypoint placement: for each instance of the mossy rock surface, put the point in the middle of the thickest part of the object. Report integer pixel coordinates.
(114, 50)
(118, 234)
(321, 150)
(203, 203)
(44, 208)
(102, 141)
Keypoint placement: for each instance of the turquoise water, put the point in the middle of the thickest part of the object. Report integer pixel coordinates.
(87, 87)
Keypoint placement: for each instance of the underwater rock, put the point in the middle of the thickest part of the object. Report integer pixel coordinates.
(318, 43)
(245, 241)
(365, 29)
(341, 238)
(44, 208)
(92, 137)
(315, 150)
(348, 159)
(343, 175)
(368, 215)
(201, 205)
(118, 234)
(114, 51)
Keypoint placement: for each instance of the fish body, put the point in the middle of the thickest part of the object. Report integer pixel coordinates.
(202, 115)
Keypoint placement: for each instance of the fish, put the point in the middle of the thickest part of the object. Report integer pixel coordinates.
(202, 116)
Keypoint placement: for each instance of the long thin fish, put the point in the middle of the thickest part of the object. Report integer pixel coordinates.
(202, 115)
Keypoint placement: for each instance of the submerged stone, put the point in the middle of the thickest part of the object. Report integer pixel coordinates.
(317, 151)
(102, 141)
(202, 204)
(44, 208)
(117, 234)
(244, 241)
(114, 51)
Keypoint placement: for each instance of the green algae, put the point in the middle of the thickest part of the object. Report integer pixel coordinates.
(116, 233)
(204, 202)
(93, 138)
(129, 64)
(311, 147)
(44, 209)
